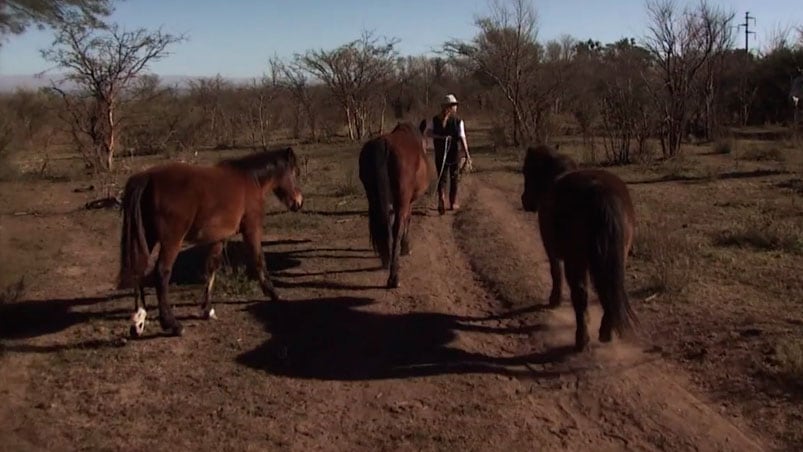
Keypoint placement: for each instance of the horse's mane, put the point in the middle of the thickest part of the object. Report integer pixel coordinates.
(545, 165)
(264, 164)
(545, 159)
(407, 127)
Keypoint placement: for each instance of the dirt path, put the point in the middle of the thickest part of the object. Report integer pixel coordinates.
(444, 362)
(620, 395)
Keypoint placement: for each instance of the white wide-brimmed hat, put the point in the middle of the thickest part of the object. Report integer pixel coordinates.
(449, 100)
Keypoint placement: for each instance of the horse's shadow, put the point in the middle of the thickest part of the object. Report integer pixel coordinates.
(333, 339)
(33, 318)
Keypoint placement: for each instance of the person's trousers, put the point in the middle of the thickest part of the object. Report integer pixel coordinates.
(451, 171)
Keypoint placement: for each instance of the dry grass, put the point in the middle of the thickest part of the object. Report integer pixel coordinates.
(669, 255)
(13, 292)
(235, 282)
(348, 184)
(723, 146)
(762, 153)
(685, 168)
(763, 232)
(789, 356)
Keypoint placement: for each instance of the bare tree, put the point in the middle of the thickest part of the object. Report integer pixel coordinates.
(625, 106)
(681, 44)
(506, 53)
(102, 61)
(266, 90)
(354, 73)
(16, 16)
(713, 73)
(293, 77)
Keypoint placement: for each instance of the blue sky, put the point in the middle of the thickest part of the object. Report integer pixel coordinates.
(235, 38)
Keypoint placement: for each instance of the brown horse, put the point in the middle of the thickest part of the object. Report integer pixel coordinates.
(395, 172)
(170, 204)
(587, 220)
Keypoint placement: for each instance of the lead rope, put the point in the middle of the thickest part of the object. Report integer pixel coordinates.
(447, 142)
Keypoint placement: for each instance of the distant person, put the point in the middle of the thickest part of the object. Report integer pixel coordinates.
(443, 127)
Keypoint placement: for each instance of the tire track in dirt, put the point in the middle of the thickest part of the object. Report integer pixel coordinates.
(619, 393)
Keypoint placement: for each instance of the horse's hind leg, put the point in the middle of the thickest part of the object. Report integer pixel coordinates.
(557, 280)
(140, 313)
(576, 277)
(164, 267)
(212, 265)
(405, 243)
(402, 218)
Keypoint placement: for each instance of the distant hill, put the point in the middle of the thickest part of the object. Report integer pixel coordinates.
(9, 83)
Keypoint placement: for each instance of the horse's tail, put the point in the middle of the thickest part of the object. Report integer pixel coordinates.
(134, 249)
(607, 265)
(376, 180)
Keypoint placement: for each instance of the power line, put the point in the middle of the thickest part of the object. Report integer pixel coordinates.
(747, 31)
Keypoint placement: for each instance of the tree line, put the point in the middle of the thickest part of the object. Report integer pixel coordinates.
(683, 78)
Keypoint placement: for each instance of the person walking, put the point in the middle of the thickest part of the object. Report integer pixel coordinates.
(448, 135)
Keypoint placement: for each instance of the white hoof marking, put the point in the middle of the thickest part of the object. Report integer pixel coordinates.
(138, 320)
(210, 314)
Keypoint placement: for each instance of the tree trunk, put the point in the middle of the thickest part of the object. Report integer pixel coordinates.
(350, 123)
(262, 134)
(382, 116)
(110, 140)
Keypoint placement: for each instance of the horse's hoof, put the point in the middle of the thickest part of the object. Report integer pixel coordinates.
(208, 314)
(138, 322)
(134, 332)
(393, 283)
(605, 335)
(553, 305)
(581, 343)
(174, 328)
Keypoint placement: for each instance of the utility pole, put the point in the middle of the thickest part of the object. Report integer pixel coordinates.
(747, 31)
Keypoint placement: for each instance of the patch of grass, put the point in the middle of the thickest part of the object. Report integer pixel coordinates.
(789, 356)
(349, 184)
(762, 153)
(682, 168)
(795, 185)
(294, 221)
(723, 146)
(498, 137)
(235, 282)
(670, 257)
(13, 292)
(763, 232)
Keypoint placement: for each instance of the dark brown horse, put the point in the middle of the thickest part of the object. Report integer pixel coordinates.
(395, 172)
(170, 204)
(587, 220)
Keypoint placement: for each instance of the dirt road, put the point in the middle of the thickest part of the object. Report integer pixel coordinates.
(454, 359)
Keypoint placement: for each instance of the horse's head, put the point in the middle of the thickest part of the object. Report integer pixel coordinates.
(286, 184)
(542, 166)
